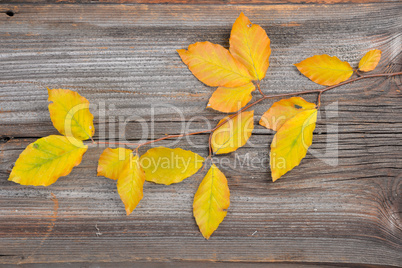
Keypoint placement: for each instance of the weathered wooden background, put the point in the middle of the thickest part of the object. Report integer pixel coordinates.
(341, 206)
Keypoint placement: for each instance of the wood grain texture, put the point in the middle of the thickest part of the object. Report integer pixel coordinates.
(341, 206)
(203, 2)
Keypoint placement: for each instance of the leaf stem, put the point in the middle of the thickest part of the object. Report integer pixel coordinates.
(259, 89)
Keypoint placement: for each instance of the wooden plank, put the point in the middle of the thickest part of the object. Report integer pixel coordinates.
(123, 59)
(201, 2)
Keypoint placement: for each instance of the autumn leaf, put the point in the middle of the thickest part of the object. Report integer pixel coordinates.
(130, 184)
(325, 70)
(250, 45)
(112, 162)
(232, 134)
(370, 60)
(228, 100)
(47, 159)
(70, 114)
(292, 140)
(211, 201)
(166, 166)
(213, 65)
(283, 110)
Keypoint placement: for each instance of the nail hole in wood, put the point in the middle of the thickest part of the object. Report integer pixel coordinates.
(10, 13)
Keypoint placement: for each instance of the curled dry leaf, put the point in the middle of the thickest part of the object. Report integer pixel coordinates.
(211, 201)
(130, 184)
(250, 45)
(213, 65)
(294, 136)
(47, 159)
(70, 114)
(370, 60)
(229, 100)
(325, 70)
(166, 166)
(112, 161)
(232, 134)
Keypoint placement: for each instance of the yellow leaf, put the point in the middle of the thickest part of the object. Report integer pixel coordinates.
(231, 99)
(232, 134)
(130, 184)
(70, 114)
(112, 161)
(47, 159)
(370, 60)
(166, 166)
(283, 110)
(211, 201)
(250, 45)
(291, 142)
(213, 65)
(325, 70)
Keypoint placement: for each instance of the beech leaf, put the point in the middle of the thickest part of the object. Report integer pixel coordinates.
(232, 134)
(211, 201)
(166, 166)
(370, 60)
(228, 100)
(130, 184)
(70, 114)
(249, 44)
(213, 65)
(283, 110)
(291, 142)
(112, 161)
(47, 159)
(325, 70)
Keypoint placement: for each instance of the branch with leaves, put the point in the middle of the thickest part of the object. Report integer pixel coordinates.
(236, 73)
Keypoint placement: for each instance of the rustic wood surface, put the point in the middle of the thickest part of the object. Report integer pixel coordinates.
(341, 206)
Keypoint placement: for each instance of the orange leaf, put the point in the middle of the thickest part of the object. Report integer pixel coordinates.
(130, 184)
(112, 161)
(211, 201)
(70, 113)
(325, 70)
(249, 44)
(283, 110)
(370, 60)
(213, 65)
(229, 100)
(232, 134)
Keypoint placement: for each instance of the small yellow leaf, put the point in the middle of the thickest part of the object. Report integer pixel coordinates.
(70, 114)
(213, 65)
(231, 99)
(112, 161)
(211, 201)
(232, 134)
(166, 166)
(325, 70)
(283, 110)
(47, 159)
(370, 60)
(249, 44)
(130, 184)
(291, 142)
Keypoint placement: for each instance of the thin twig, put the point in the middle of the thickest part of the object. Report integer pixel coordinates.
(319, 91)
(264, 97)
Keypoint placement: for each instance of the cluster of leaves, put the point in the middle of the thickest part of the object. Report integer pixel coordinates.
(236, 72)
